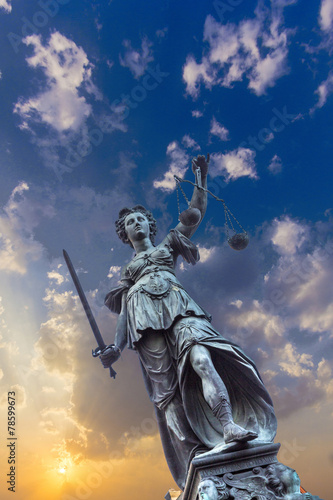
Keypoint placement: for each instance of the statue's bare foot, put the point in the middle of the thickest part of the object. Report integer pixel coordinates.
(235, 433)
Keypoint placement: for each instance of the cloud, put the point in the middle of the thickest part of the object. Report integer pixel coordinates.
(68, 71)
(276, 301)
(255, 49)
(67, 117)
(300, 282)
(135, 59)
(20, 396)
(323, 91)
(219, 130)
(206, 253)
(233, 165)
(190, 143)
(196, 113)
(6, 5)
(56, 276)
(275, 165)
(114, 272)
(124, 173)
(178, 165)
(194, 73)
(326, 15)
(63, 350)
(295, 364)
(19, 217)
(288, 235)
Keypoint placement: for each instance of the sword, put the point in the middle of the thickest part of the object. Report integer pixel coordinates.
(101, 344)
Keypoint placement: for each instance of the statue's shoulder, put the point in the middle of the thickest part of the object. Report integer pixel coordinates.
(181, 245)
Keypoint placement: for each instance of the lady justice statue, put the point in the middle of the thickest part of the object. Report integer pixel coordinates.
(206, 391)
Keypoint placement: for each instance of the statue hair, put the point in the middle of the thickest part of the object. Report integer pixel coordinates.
(120, 223)
(274, 481)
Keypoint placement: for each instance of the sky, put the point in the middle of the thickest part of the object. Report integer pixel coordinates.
(101, 104)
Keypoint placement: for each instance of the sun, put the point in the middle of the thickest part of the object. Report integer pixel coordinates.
(64, 466)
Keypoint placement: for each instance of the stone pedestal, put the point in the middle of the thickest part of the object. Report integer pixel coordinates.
(242, 472)
(236, 461)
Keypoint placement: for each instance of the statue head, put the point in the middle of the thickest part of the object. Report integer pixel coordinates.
(282, 480)
(213, 488)
(120, 223)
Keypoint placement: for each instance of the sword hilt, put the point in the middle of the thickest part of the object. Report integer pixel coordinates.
(97, 352)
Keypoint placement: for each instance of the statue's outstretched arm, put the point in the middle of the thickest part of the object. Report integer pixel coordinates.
(199, 197)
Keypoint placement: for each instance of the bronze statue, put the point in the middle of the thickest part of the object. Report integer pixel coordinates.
(206, 391)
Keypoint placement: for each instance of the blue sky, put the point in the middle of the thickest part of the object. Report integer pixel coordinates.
(102, 102)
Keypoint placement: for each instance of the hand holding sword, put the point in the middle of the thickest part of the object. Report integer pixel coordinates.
(109, 354)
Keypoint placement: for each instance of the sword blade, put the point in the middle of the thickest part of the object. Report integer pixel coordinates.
(84, 302)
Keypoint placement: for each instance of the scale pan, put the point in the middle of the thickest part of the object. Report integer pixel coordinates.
(190, 217)
(239, 241)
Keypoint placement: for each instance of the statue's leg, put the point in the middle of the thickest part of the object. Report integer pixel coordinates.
(180, 443)
(216, 395)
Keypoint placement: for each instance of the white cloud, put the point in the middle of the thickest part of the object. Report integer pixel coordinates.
(135, 59)
(194, 73)
(275, 165)
(219, 130)
(206, 253)
(300, 283)
(237, 163)
(6, 5)
(56, 276)
(311, 299)
(67, 70)
(254, 320)
(326, 15)
(179, 160)
(196, 113)
(237, 303)
(288, 236)
(114, 272)
(190, 143)
(323, 91)
(295, 364)
(255, 49)
(60, 116)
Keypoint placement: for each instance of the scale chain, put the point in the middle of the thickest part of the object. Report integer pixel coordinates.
(178, 186)
(227, 211)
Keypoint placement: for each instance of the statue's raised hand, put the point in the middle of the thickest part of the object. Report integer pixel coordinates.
(200, 162)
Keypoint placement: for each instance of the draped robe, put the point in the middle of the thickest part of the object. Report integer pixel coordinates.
(163, 323)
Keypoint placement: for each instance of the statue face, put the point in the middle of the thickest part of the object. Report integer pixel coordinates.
(207, 490)
(136, 226)
(290, 479)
